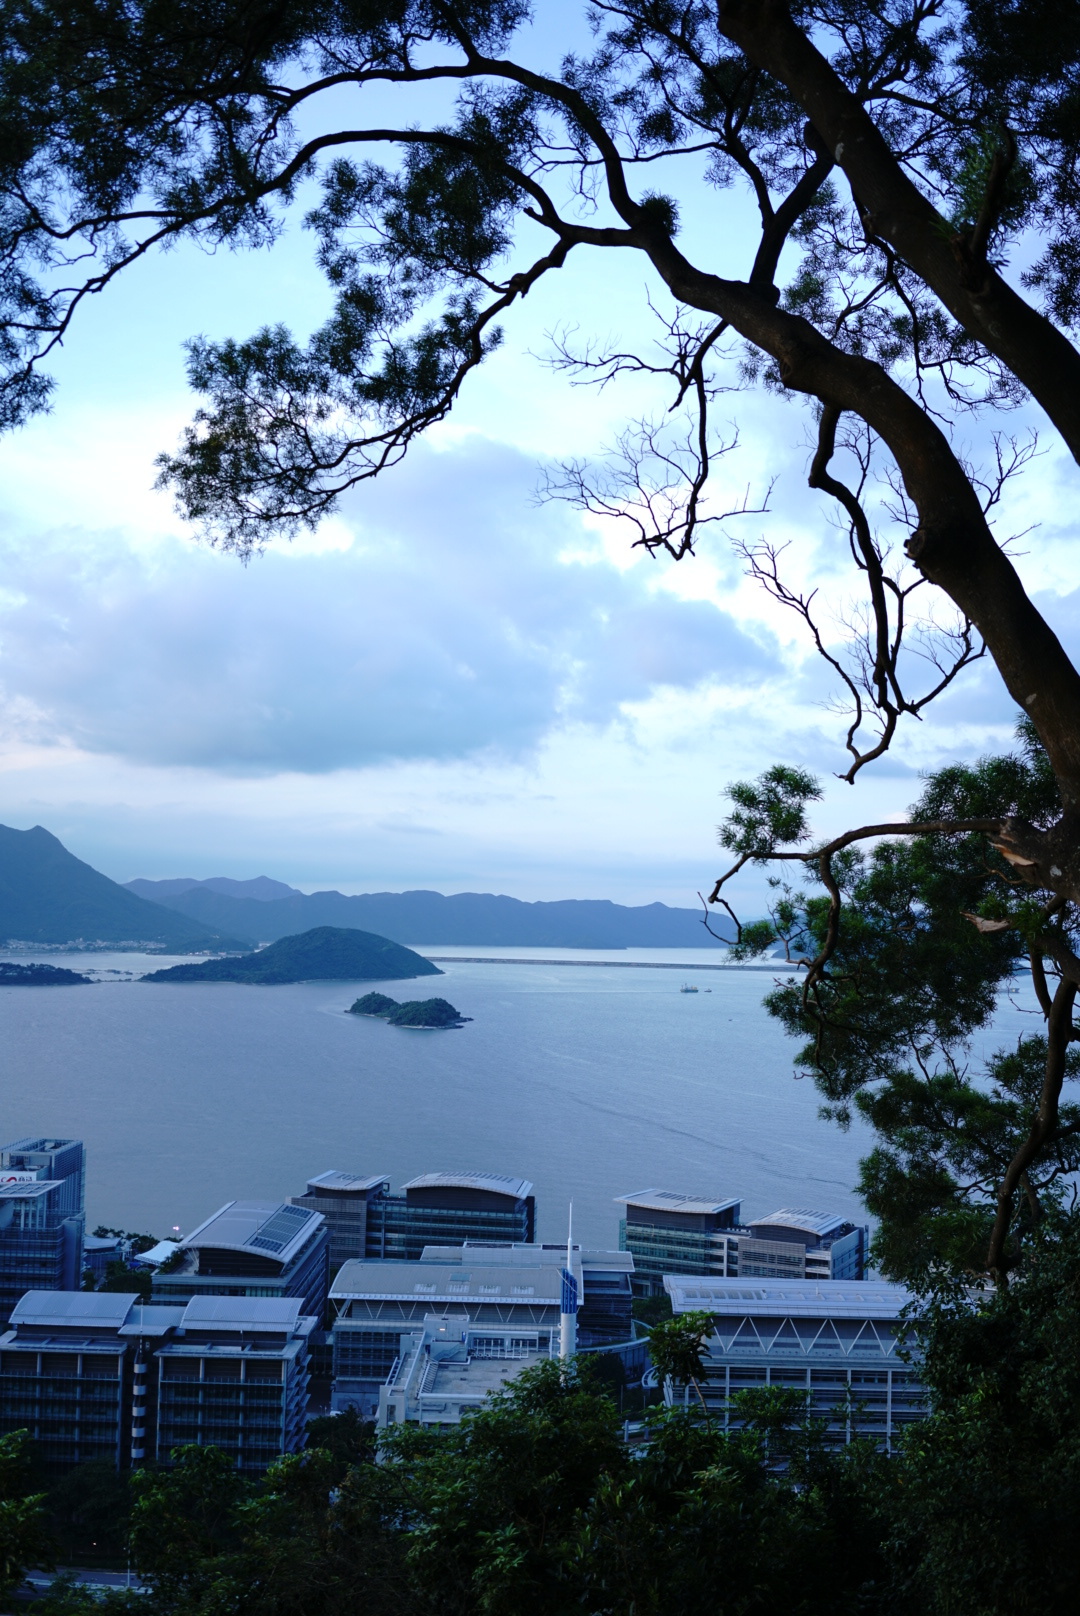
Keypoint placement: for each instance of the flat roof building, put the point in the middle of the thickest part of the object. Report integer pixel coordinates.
(670, 1233)
(269, 1249)
(836, 1341)
(95, 1375)
(67, 1373)
(234, 1375)
(508, 1303)
(41, 1217)
(447, 1366)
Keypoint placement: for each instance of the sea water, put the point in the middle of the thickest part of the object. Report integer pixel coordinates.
(592, 1081)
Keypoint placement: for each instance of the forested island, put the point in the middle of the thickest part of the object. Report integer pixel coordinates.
(413, 1013)
(38, 976)
(324, 954)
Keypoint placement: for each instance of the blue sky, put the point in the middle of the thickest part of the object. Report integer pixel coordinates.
(450, 685)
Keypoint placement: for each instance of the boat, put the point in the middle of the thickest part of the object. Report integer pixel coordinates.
(688, 987)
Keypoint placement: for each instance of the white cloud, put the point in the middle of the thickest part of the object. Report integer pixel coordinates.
(443, 619)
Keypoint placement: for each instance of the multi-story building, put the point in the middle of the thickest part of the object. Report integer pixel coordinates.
(41, 1217)
(234, 1375)
(365, 1220)
(681, 1234)
(343, 1199)
(96, 1375)
(799, 1244)
(252, 1248)
(835, 1341)
(677, 1234)
(60, 1160)
(508, 1303)
(68, 1373)
(605, 1307)
(504, 1305)
(447, 1365)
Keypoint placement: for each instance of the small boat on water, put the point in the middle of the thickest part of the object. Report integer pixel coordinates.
(688, 987)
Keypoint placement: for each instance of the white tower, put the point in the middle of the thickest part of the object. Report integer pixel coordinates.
(569, 1307)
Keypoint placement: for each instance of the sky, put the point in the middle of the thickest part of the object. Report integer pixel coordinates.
(451, 684)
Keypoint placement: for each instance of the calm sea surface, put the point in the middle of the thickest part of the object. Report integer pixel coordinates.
(591, 1081)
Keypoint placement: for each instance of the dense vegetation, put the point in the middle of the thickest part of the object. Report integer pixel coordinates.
(536, 1504)
(324, 954)
(38, 976)
(413, 1013)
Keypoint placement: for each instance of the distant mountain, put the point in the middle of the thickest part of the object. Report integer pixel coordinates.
(47, 895)
(470, 919)
(324, 954)
(261, 887)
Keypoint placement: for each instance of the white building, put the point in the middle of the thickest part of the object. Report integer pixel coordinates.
(427, 1341)
(836, 1341)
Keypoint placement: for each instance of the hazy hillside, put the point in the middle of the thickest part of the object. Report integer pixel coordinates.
(261, 887)
(47, 895)
(471, 919)
(324, 954)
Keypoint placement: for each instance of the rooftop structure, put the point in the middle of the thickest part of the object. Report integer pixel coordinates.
(717, 1214)
(670, 1233)
(447, 1367)
(837, 1341)
(467, 1185)
(154, 1256)
(411, 1287)
(335, 1183)
(252, 1248)
(798, 1222)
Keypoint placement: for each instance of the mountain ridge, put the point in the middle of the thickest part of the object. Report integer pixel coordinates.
(470, 919)
(48, 896)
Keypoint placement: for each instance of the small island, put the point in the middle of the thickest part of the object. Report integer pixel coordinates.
(324, 954)
(413, 1013)
(38, 976)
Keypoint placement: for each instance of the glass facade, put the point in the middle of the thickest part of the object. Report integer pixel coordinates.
(361, 1354)
(399, 1229)
(659, 1251)
(41, 1218)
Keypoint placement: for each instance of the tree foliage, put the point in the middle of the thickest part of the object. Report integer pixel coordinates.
(535, 1503)
(903, 952)
(915, 269)
(987, 1488)
(24, 1539)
